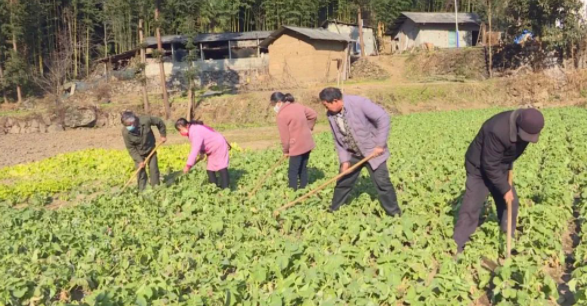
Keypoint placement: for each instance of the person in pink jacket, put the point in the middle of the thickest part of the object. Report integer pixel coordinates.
(206, 140)
(295, 123)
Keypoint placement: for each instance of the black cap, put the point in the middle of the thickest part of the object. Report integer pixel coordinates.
(530, 122)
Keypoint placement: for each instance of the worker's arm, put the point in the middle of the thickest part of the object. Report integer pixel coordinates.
(283, 127)
(311, 116)
(160, 124)
(132, 150)
(197, 141)
(379, 117)
(491, 165)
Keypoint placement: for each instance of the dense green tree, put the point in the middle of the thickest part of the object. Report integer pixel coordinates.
(36, 29)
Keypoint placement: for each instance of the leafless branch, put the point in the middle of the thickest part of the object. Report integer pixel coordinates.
(58, 66)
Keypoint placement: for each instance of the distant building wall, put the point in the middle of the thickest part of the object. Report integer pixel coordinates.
(440, 35)
(223, 72)
(407, 37)
(305, 60)
(412, 35)
(172, 68)
(353, 33)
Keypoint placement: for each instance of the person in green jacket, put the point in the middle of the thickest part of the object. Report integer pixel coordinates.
(140, 141)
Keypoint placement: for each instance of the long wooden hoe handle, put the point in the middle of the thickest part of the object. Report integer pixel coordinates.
(263, 179)
(509, 206)
(140, 168)
(309, 194)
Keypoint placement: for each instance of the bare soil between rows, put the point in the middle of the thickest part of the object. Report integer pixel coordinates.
(20, 149)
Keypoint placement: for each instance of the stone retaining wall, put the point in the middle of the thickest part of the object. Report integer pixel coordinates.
(73, 118)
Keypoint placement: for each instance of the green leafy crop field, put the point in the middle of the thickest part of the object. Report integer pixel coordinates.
(189, 243)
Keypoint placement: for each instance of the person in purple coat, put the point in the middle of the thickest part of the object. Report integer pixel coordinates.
(360, 128)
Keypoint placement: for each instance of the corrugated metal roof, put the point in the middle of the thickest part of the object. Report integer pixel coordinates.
(432, 18)
(209, 37)
(418, 17)
(314, 34)
(334, 21)
(232, 36)
(165, 39)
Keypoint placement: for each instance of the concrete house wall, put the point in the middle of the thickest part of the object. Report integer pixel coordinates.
(408, 36)
(412, 35)
(241, 64)
(352, 32)
(438, 34)
(295, 56)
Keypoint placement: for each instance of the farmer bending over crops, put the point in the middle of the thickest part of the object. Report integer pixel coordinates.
(295, 123)
(360, 128)
(140, 141)
(207, 141)
(501, 140)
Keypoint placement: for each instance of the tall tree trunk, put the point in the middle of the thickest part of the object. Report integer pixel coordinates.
(105, 39)
(4, 96)
(87, 50)
(161, 64)
(190, 101)
(146, 105)
(70, 29)
(15, 48)
(41, 69)
(360, 22)
(489, 42)
(75, 43)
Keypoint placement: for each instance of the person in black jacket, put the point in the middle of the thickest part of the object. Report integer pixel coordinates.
(501, 140)
(140, 141)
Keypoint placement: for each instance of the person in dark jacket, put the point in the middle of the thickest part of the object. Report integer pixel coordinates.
(140, 141)
(360, 128)
(501, 141)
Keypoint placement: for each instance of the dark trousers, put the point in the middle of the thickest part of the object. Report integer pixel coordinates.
(213, 178)
(298, 170)
(153, 172)
(478, 188)
(379, 176)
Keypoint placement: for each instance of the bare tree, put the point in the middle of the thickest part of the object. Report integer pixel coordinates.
(58, 66)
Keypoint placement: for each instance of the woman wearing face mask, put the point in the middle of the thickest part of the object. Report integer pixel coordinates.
(295, 123)
(206, 140)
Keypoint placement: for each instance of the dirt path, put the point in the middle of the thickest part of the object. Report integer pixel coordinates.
(18, 149)
(395, 66)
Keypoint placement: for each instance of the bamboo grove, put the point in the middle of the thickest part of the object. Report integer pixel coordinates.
(36, 35)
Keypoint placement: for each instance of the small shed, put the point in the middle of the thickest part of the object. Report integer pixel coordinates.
(214, 46)
(352, 32)
(415, 29)
(307, 55)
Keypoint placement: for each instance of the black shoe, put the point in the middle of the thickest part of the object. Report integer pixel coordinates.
(395, 214)
(332, 209)
(457, 257)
